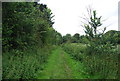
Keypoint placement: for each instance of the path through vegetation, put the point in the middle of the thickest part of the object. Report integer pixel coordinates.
(61, 66)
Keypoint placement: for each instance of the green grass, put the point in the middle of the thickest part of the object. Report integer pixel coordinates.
(61, 66)
(58, 64)
(96, 66)
(24, 64)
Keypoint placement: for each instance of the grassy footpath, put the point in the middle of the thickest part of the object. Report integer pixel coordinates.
(61, 66)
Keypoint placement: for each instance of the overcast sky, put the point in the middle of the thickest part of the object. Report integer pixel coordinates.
(68, 13)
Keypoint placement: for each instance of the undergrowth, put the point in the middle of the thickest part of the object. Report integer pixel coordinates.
(97, 65)
(24, 64)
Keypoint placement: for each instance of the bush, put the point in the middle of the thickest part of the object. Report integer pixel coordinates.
(102, 66)
(76, 50)
(24, 64)
(99, 64)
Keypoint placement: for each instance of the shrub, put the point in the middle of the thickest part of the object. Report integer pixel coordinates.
(24, 64)
(99, 64)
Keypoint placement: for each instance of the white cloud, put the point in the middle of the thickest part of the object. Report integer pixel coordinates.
(68, 12)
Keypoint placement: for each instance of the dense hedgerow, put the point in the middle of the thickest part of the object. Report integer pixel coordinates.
(27, 38)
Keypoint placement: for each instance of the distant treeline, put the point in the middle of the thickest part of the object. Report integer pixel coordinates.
(26, 24)
(111, 36)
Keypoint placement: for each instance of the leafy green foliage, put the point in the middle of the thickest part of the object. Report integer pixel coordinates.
(27, 26)
(102, 66)
(75, 38)
(67, 38)
(96, 66)
(112, 37)
(76, 50)
(99, 52)
(24, 64)
(28, 39)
